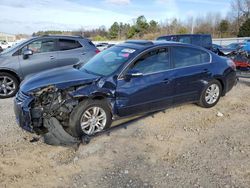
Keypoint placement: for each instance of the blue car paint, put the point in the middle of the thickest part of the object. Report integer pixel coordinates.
(136, 96)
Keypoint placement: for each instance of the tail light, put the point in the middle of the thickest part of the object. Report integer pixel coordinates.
(97, 51)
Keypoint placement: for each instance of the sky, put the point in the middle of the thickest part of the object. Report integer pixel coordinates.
(28, 16)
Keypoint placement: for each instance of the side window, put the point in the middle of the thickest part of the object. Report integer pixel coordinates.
(41, 46)
(185, 39)
(66, 44)
(184, 56)
(196, 40)
(207, 41)
(154, 61)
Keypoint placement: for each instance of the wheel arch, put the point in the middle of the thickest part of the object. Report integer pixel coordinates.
(220, 80)
(13, 73)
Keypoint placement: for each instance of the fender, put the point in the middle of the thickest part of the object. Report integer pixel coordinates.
(94, 92)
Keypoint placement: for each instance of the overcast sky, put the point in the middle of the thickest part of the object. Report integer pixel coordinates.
(28, 16)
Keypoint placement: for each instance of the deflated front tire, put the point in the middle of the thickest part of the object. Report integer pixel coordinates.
(89, 117)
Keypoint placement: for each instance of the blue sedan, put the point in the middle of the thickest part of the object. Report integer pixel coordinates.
(128, 79)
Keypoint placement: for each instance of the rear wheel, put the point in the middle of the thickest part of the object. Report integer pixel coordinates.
(9, 85)
(89, 118)
(211, 94)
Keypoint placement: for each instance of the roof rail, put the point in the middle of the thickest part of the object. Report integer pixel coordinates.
(54, 35)
(140, 42)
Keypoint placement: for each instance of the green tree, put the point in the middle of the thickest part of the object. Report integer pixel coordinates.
(153, 26)
(114, 31)
(245, 29)
(132, 32)
(182, 30)
(224, 26)
(141, 25)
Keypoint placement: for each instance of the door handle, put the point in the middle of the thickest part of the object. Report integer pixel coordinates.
(84, 53)
(52, 57)
(205, 71)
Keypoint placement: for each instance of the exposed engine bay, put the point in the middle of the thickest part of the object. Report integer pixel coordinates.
(51, 102)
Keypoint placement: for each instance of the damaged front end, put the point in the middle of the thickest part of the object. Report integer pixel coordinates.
(51, 102)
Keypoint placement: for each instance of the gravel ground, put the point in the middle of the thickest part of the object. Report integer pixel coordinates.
(186, 146)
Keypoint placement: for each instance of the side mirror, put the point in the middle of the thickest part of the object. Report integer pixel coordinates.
(132, 73)
(27, 53)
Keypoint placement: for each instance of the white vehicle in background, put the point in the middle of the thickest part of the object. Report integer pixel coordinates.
(4, 45)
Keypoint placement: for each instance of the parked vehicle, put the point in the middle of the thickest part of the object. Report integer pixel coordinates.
(4, 45)
(203, 40)
(231, 50)
(135, 77)
(102, 46)
(39, 54)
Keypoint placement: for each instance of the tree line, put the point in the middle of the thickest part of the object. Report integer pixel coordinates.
(236, 23)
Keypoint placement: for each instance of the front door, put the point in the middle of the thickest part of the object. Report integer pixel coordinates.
(43, 58)
(151, 91)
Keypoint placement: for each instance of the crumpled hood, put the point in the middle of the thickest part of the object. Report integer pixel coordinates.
(60, 77)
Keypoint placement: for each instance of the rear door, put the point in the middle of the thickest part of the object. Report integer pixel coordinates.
(43, 58)
(191, 71)
(149, 92)
(71, 52)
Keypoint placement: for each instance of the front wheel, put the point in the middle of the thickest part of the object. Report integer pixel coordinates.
(89, 118)
(211, 94)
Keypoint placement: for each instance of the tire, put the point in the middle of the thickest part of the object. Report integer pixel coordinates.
(9, 85)
(77, 117)
(204, 102)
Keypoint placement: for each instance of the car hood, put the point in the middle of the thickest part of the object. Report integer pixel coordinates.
(60, 77)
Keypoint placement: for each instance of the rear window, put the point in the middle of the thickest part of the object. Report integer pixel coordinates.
(67, 44)
(184, 57)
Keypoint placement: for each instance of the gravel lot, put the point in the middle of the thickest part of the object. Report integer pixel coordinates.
(186, 146)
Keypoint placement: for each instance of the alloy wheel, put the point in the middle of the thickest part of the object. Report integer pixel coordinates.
(7, 86)
(93, 120)
(212, 94)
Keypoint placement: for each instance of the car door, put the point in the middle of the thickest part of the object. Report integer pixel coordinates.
(43, 58)
(151, 91)
(191, 69)
(71, 52)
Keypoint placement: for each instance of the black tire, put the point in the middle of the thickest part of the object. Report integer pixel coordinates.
(75, 116)
(203, 102)
(15, 82)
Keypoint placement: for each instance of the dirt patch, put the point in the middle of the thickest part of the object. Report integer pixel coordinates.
(186, 146)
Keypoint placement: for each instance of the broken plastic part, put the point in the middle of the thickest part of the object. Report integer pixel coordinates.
(57, 135)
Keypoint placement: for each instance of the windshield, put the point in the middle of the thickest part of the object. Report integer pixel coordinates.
(7, 50)
(108, 61)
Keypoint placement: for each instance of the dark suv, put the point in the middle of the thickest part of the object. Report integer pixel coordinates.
(132, 78)
(203, 40)
(38, 54)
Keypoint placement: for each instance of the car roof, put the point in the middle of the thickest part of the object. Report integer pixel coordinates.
(61, 36)
(185, 35)
(146, 44)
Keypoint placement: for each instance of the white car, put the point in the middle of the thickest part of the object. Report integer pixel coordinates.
(5, 45)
